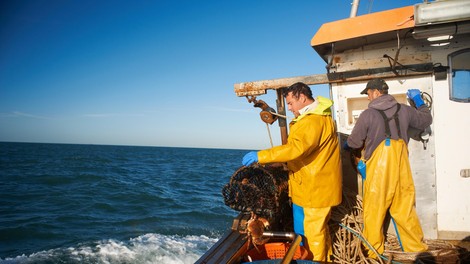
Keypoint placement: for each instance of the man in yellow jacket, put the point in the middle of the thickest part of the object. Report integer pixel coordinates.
(312, 154)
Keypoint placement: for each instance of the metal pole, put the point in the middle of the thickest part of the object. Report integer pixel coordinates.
(291, 251)
(281, 109)
(355, 5)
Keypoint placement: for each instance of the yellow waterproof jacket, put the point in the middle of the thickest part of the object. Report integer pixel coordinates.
(312, 154)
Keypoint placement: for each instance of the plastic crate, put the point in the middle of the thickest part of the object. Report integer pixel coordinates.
(274, 251)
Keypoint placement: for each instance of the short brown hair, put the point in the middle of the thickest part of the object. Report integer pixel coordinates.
(297, 89)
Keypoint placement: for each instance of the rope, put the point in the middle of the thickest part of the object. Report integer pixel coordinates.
(346, 230)
(269, 133)
(276, 114)
(368, 244)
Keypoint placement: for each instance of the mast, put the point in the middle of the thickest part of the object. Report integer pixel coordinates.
(354, 6)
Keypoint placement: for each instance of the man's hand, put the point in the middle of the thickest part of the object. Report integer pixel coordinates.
(250, 158)
(415, 95)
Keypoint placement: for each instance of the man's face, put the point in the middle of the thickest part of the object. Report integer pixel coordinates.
(295, 104)
(372, 94)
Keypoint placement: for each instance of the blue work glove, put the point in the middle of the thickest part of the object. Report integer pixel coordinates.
(415, 95)
(250, 158)
(361, 167)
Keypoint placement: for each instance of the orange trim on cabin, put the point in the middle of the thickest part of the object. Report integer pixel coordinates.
(364, 25)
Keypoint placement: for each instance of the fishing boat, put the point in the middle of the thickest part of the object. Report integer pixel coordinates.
(425, 46)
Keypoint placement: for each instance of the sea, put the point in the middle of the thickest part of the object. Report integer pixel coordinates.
(70, 203)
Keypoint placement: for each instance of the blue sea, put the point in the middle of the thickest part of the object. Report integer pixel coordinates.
(62, 203)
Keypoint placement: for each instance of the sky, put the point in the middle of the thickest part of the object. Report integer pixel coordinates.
(154, 73)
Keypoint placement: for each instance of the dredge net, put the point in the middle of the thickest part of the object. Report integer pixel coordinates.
(262, 190)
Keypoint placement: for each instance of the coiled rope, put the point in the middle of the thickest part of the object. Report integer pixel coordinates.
(346, 228)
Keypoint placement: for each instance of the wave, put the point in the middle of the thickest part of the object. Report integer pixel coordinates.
(148, 248)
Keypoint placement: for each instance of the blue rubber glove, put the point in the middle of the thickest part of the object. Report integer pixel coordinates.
(361, 167)
(250, 158)
(415, 95)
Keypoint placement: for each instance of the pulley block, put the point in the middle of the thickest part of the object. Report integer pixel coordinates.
(267, 116)
(267, 113)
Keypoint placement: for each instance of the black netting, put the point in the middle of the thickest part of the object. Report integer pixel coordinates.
(262, 190)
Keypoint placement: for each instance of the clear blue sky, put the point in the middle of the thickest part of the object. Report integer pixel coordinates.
(153, 73)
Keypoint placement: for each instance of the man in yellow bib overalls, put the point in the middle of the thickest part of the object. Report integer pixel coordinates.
(382, 129)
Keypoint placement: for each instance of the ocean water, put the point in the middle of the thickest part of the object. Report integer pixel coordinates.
(63, 203)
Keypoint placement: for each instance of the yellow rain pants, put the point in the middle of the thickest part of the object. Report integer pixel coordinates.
(312, 223)
(389, 186)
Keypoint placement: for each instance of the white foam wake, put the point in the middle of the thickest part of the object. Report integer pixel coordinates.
(149, 248)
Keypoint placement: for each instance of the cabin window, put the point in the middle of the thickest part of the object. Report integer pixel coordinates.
(459, 63)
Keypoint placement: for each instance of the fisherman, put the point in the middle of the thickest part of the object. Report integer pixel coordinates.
(312, 154)
(382, 129)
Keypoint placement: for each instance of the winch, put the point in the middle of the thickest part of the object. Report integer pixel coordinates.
(267, 114)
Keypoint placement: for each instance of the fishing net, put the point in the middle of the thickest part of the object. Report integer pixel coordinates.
(262, 190)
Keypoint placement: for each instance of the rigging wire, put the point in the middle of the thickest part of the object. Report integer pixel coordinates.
(267, 126)
(269, 133)
(279, 115)
(371, 2)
